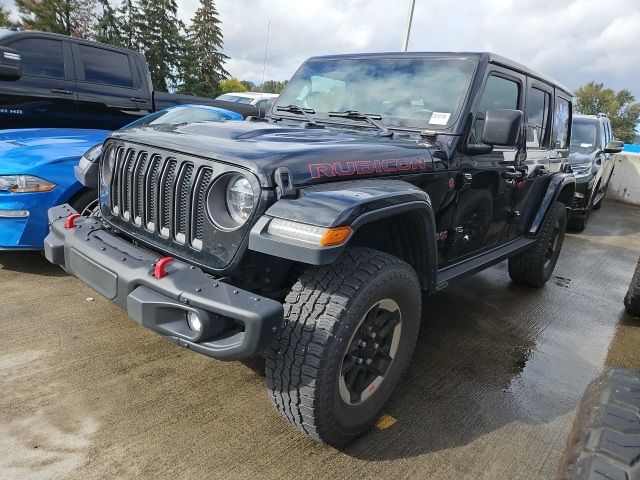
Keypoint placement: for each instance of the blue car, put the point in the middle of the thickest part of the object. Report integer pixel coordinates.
(37, 171)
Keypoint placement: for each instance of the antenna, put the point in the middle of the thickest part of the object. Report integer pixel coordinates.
(407, 30)
(264, 65)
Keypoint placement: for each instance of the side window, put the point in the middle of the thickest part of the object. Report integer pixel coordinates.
(561, 116)
(105, 66)
(498, 92)
(40, 57)
(538, 115)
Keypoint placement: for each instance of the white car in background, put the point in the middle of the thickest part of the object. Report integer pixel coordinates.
(257, 99)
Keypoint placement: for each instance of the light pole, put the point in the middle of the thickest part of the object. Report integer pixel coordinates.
(407, 30)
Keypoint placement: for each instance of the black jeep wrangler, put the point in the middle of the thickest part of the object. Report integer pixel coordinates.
(312, 235)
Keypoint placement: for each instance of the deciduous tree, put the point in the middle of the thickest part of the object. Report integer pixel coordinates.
(231, 85)
(621, 108)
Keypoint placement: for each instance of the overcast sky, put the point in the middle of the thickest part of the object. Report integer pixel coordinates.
(572, 41)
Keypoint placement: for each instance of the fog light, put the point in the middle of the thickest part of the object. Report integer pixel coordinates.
(14, 213)
(194, 322)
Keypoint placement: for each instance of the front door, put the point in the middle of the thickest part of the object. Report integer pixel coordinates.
(484, 208)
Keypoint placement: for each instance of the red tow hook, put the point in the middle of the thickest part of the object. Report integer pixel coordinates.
(69, 222)
(160, 270)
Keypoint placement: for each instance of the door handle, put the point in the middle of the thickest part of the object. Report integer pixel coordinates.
(138, 100)
(62, 91)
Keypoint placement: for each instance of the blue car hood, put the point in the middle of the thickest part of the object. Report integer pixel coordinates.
(48, 153)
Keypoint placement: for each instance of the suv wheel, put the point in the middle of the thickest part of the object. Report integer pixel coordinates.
(632, 299)
(348, 336)
(535, 266)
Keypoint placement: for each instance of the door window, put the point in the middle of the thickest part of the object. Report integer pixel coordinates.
(561, 117)
(537, 117)
(40, 57)
(499, 93)
(106, 67)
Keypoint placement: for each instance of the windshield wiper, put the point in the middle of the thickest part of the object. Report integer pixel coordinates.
(368, 117)
(297, 109)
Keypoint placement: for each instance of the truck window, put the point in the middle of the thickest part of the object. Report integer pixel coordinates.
(106, 67)
(40, 57)
(499, 93)
(561, 117)
(538, 114)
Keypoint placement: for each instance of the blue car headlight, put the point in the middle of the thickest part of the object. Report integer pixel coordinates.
(24, 184)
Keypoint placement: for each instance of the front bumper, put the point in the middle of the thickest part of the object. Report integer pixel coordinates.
(236, 324)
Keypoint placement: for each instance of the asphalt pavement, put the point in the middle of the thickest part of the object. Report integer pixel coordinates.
(86, 393)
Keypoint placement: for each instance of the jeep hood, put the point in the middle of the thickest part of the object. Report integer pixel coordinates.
(312, 155)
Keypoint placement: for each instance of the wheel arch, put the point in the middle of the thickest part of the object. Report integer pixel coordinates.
(389, 215)
(560, 188)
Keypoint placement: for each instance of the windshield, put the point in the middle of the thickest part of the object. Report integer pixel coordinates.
(584, 137)
(234, 98)
(411, 93)
(177, 115)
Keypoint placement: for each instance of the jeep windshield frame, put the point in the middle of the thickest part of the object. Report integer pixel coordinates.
(403, 92)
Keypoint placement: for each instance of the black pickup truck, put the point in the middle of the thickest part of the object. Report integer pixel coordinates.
(313, 234)
(50, 80)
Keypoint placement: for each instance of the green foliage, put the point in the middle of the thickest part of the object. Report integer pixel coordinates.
(232, 84)
(69, 17)
(4, 17)
(249, 85)
(272, 86)
(108, 27)
(159, 34)
(202, 62)
(621, 108)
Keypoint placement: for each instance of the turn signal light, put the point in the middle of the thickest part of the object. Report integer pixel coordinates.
(335, 236)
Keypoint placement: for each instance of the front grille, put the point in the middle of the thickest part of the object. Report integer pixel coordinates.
(161, 194)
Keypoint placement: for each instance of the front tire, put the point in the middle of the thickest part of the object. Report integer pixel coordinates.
(348, 335)
(535, 266)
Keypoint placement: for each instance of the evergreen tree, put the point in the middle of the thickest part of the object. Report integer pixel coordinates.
(203, 62)
(128, 16)
(69, 17)
(108, 28)
(158, 32)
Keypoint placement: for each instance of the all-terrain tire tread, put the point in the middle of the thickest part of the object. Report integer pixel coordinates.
(605, 439)
(311, 315)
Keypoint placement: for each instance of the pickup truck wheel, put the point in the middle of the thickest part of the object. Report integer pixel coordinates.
(535, 266)
(605, 439)
(348, 335)
(632, 299)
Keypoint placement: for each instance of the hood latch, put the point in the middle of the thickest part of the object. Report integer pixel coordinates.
(284, 183)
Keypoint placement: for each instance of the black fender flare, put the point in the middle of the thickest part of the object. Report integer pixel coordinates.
(351, 203)
(561, 186)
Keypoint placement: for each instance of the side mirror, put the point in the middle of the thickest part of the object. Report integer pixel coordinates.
(502, 127)
(614, 146)
(9, 64)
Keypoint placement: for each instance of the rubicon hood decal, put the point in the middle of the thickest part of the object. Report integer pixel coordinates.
(367, 167)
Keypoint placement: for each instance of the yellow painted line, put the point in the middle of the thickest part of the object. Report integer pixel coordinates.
(385, 421)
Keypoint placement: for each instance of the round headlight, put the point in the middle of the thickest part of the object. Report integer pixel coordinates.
(240, 199)
(107, 165)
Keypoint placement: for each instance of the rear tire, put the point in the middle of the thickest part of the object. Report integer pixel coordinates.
(366, 306)
(605, 439)
(535, 266)
(632, 299)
